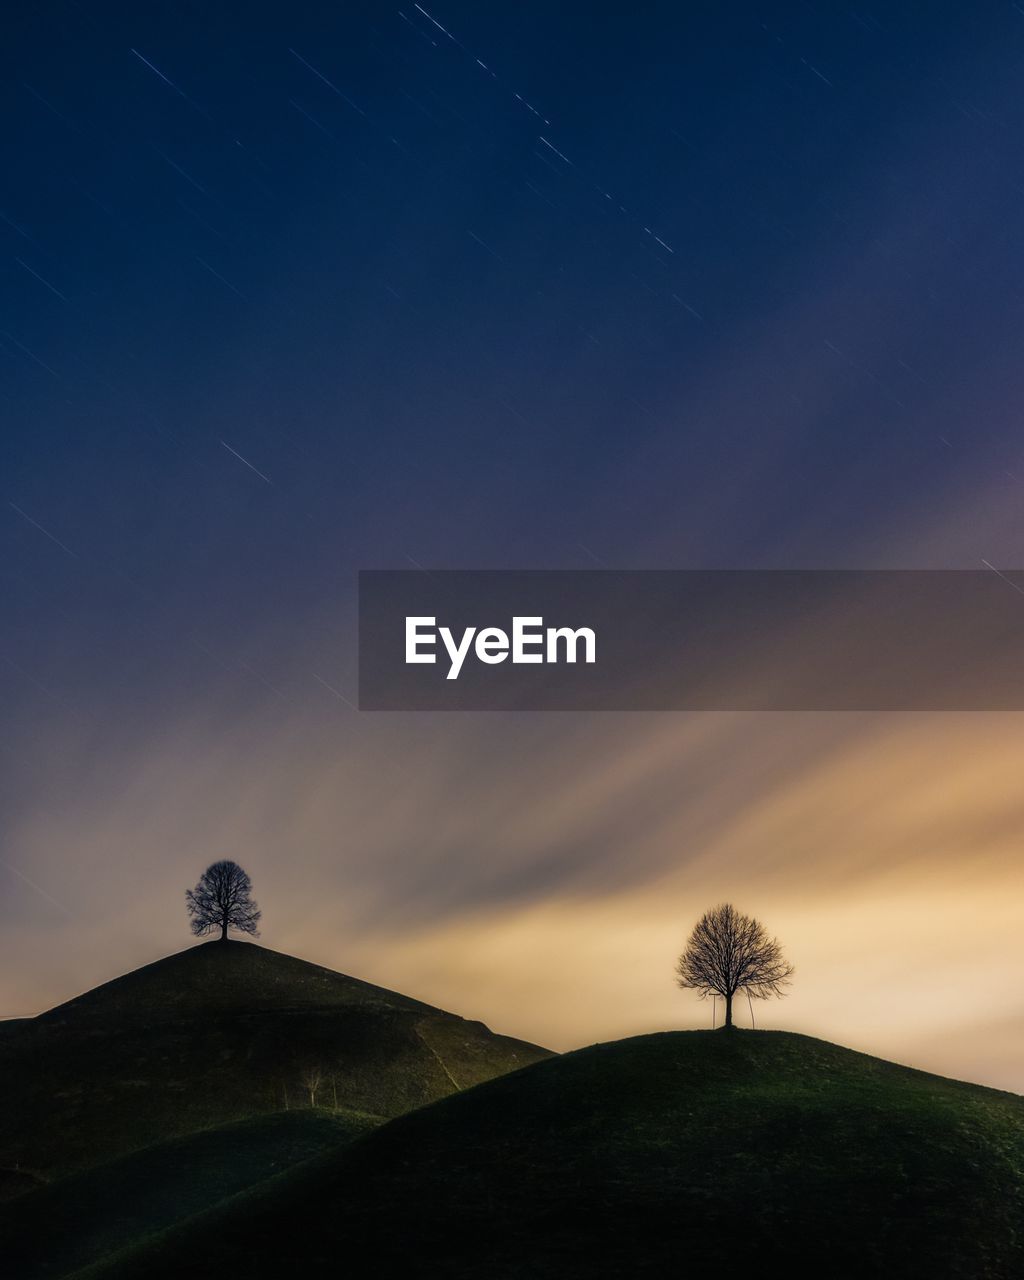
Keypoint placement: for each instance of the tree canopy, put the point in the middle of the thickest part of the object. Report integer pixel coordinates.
(222, 900)
(729, 952)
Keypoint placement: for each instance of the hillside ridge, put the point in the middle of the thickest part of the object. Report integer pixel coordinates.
(218, 973)
(220, 1032)
(628, 1157)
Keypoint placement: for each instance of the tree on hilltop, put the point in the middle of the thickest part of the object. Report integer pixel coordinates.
(222, 900)
(730, 952)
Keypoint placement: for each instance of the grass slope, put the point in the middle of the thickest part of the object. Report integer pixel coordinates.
(217, 1033)
(680, 1152)
(90, 1215)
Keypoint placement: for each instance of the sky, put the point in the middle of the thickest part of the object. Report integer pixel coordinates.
(295, 290)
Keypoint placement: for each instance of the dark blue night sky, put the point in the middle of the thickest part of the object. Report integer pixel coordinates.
(703, 286)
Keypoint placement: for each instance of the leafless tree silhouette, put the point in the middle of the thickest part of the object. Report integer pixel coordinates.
(222, 900)
(312, 1079)
(729, 952)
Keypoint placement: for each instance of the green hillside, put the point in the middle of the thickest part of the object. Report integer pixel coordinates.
(222, 1032)
(72, 1222)
(680, 1153)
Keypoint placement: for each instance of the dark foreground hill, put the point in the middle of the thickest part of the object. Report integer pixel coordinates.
(69, 1224)
(695, 1153)
(222, 1032)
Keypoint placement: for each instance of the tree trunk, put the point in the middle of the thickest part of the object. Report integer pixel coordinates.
(223, 931)
(728, 1009)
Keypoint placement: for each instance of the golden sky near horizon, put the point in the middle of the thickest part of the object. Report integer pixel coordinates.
(541, 873)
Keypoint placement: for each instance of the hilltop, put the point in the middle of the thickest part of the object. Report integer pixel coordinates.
(221, 977)
(685, 1151)
(221, 1032)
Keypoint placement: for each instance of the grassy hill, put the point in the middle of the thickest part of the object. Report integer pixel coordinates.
(71, 1223)
(684, 1152)
(223, 1031)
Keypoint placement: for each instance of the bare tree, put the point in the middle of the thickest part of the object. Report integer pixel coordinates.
(729, 952)
(312, 1079)
(223, 900)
